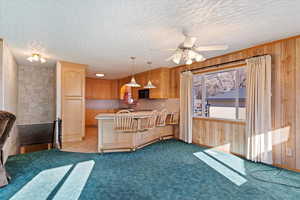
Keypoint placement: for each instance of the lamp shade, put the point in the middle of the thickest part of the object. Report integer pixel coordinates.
(150, 85)
(133, 83)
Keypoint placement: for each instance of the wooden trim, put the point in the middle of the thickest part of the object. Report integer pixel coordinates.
(257, 46)
(235, 52)
(220, 120)
(217, 68)
(288, 168)
(111, 150)
(147, 143)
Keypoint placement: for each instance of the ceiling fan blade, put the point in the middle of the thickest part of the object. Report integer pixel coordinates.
(189, 42)
(176, 59)
(170, 58)
(171, 49)
(212, 48)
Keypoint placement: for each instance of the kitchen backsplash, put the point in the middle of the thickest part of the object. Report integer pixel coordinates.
(172, 105)
(102, 104)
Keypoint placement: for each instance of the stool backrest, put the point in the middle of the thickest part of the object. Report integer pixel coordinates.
(161, 118)
(150, 122)
(174, 118)
(124, 121)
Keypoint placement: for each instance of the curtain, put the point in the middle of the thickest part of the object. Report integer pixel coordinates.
(186, 118)
(258, 110)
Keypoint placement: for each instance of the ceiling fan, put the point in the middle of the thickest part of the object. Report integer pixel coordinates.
(188, 51)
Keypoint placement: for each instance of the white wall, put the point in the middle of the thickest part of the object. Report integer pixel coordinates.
(9, 94)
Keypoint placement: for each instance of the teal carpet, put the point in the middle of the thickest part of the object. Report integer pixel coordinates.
(165, 170)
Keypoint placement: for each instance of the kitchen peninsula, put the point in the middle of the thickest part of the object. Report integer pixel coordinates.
(111, 140)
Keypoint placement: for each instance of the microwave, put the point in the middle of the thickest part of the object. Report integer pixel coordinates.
(144, 94)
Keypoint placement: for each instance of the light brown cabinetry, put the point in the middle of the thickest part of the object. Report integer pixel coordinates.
(90, 115)
(71, 100)
(175, 81)
(101, 89)
(159, 77)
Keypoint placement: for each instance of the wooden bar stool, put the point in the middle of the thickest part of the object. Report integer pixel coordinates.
(149, 122)
(161, 118)
(174, 118)
(125, 122)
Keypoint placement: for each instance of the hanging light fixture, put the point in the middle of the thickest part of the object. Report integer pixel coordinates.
(36, 57)
(149, 84)
(133, 83)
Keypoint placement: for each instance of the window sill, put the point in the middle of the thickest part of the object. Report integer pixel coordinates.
(232, 121)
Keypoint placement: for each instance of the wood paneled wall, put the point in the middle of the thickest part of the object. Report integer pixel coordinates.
(285, 98)
(228, 136)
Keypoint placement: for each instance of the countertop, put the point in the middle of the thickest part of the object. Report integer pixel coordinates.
(139, 114)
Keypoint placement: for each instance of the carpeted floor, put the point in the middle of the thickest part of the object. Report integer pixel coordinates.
(165, 170)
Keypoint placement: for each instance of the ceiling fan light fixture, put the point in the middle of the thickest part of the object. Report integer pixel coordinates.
(199, 58)
(187, 52)
(189, 62)
(176, 60)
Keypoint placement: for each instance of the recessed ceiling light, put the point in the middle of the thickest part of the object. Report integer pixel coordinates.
(100, 75)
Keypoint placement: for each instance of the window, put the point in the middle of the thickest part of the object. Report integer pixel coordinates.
(220, 94)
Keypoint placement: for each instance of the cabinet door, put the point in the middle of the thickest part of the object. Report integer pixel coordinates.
(73, 101)
(155, 77)
(89, 88)
(73, 83)
(114, 89)
(102, 89)
(73, 111)
(160, 78)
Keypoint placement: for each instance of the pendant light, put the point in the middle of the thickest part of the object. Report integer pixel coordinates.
(133, 83)
(149, 84)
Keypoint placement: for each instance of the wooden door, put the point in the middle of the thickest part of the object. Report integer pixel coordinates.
(73, 101)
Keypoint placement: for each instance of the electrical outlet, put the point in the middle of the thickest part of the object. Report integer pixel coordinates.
(289, 152)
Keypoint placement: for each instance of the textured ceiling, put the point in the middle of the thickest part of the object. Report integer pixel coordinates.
(104, 34)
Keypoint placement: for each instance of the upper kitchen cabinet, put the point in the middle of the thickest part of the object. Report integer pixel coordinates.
(159, 77)
(101, 89)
